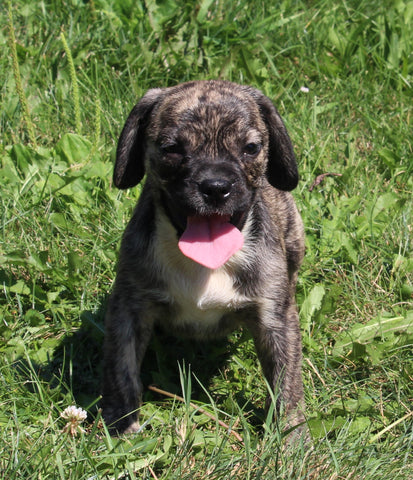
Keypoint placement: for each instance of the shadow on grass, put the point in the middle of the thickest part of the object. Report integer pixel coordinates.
(77, 366)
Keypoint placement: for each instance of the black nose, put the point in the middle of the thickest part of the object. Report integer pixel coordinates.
(215, 189)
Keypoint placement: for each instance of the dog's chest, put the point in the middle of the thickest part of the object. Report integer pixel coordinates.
(198, 297)
(204, 297)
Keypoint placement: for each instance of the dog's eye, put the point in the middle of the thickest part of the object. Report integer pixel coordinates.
(173, 149)
(252, 149)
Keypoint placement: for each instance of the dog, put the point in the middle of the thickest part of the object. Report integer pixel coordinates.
(215, 241)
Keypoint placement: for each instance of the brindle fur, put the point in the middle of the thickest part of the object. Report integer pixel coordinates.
(180, 136)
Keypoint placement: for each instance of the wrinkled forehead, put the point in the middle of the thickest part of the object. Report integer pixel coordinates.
(188, 96)
(202, 109)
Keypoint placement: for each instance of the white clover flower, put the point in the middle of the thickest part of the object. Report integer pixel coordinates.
(74, 412)
(74, 416)
(304, 89)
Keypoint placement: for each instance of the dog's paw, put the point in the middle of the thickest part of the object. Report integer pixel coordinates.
(119, 424)
(133, 428)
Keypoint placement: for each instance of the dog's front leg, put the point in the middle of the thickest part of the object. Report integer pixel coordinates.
(126, 340)
(278, 344)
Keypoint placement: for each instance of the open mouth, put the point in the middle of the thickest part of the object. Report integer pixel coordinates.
(211, 240)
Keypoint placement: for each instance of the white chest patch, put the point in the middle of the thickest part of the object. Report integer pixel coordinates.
(198, 294)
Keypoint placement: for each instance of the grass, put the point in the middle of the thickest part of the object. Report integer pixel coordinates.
(69, 74)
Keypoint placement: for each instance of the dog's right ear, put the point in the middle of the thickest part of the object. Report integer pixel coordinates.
(130, 154)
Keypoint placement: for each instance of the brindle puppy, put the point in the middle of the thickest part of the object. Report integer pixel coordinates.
(215, 241)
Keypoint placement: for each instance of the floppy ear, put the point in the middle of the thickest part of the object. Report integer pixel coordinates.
(282, 172)
(130, 154)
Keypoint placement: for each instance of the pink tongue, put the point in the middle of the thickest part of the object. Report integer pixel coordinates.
(210, 241)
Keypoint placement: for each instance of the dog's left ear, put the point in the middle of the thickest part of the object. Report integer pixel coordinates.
(282, 172)
(130, 154)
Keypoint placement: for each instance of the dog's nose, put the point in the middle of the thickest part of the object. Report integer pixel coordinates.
(215, 189)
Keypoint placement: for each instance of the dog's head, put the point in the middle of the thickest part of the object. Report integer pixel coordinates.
(206, 148)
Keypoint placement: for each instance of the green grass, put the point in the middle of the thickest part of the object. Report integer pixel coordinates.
(67, 83)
